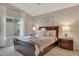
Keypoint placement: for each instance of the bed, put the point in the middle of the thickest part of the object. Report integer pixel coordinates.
(36, 46)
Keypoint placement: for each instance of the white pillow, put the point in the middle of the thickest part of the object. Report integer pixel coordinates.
(40, 33)
(51, 33)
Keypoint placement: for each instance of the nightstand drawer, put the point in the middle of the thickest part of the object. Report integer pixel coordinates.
(66, 44)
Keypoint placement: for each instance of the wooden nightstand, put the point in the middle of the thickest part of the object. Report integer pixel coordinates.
(66, 43)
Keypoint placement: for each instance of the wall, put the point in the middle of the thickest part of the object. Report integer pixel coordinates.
(68, 16)
(2, 17)
(28, 23)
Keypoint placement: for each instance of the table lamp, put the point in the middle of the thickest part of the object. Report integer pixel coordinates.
(66, 29)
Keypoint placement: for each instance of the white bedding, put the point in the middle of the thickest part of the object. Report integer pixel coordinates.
(40, 42)
(44, 42)
(25, 38)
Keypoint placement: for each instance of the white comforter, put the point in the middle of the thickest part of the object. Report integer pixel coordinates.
(40, 42)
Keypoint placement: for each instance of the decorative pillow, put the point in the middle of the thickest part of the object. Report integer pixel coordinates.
(40, 33)
(51, 33)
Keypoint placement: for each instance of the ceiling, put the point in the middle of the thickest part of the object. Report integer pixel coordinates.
(35, 9)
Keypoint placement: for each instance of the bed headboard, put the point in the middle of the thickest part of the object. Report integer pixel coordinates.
(52, 28)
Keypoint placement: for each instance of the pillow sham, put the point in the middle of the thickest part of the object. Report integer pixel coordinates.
(51, 33)
(40, 33)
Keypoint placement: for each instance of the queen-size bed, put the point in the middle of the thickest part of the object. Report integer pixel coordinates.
(37, 45)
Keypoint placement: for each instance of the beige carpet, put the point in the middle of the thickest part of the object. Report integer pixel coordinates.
(9, 51)
(56, 51)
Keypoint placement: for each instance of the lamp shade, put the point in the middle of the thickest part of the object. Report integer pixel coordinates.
(34, 28)
(43, 28)
(66, 28)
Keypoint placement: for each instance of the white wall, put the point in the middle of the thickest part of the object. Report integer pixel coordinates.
(68, 16)
(2, 17)
(28, 22)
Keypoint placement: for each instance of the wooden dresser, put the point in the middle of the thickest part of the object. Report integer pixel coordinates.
(66, 43)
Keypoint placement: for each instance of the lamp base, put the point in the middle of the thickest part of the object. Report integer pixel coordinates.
(66, 35)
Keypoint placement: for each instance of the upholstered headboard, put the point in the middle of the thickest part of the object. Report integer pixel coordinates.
(52, 28)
